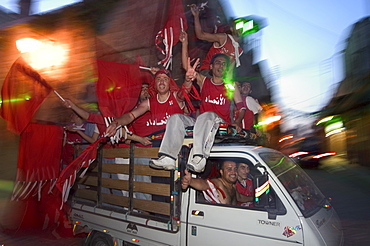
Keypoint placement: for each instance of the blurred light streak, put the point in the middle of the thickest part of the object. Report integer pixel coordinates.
(296, 154)
(324, 155)
(269, 120)
(26, 98)
(335, 131)
(334, 126)
(324, 120)
(285, 138)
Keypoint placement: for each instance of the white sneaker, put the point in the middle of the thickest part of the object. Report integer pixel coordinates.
(197, 164)
(164, 162)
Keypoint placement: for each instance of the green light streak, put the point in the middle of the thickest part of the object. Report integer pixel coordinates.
(27, 98)
(268, 121)
(110, 89)
(324, 120)
(281, 161)
(228, 79)
(6, 185)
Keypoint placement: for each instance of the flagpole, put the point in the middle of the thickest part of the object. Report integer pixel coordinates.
(182, 25)
(61, 98)
(145, 68)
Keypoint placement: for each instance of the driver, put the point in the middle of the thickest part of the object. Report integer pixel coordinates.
(216, 190)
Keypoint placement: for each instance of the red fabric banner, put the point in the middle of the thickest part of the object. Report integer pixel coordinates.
(118, 87)
(69, 174)
(22, 93)
(40, 149)
(170, 33)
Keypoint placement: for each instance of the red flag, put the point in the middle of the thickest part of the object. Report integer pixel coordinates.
(37, 165)
(169, 35)
(69, 174)
(22, 93)
(118, 87)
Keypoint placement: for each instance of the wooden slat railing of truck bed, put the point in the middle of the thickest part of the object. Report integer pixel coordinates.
(112, 187)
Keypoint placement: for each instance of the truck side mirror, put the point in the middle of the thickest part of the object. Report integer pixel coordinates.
(262, 188)
(262, 197)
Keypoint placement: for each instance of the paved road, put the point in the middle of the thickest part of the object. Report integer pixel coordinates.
(38, 241)
(349, 187)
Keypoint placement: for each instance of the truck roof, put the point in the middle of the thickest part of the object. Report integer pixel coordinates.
(236, 147)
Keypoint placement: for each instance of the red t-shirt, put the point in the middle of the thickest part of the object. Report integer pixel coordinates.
(248, 119)
(214, 98)
(161, 111)
(246, 190)
(139, 127)
(227, 48)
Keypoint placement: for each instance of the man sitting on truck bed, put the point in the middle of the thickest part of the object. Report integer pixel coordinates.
(216, 190)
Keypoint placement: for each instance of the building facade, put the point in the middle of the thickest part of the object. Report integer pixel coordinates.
(348, 133)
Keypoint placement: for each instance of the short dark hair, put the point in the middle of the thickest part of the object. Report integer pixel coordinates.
(245, 81)
(227, 58)
(220, 165)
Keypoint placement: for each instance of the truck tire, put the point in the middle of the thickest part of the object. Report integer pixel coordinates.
(99, 239)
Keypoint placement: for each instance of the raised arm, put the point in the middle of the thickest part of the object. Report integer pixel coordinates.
(88, 138)
(241, 106)
(81, 112)
(127, 118)
(196, 183)
(191, 74)
(184, 51)
(219, 38)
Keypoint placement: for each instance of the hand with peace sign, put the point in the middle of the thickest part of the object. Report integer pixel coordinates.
(191, 74)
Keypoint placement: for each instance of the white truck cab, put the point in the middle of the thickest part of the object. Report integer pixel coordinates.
(288, 209)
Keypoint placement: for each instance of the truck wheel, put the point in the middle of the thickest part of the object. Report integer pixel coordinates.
(99, 239)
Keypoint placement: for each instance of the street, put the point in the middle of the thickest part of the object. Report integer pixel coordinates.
(349, 187)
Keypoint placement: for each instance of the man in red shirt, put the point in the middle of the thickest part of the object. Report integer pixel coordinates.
(244, 186)
(166, 100)
(253, 108)
(224, 43)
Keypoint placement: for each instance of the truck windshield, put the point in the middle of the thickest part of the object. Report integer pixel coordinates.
(302, 189)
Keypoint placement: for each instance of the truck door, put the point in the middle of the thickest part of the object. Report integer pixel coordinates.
(220, 224)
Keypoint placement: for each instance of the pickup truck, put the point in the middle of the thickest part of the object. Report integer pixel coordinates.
(288, 209)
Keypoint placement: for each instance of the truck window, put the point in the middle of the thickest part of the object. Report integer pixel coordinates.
(244, 187)
(306, 195)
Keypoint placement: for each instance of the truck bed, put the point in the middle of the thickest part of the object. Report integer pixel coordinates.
(108, 188)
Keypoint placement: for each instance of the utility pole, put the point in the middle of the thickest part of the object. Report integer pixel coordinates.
(25, 7)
